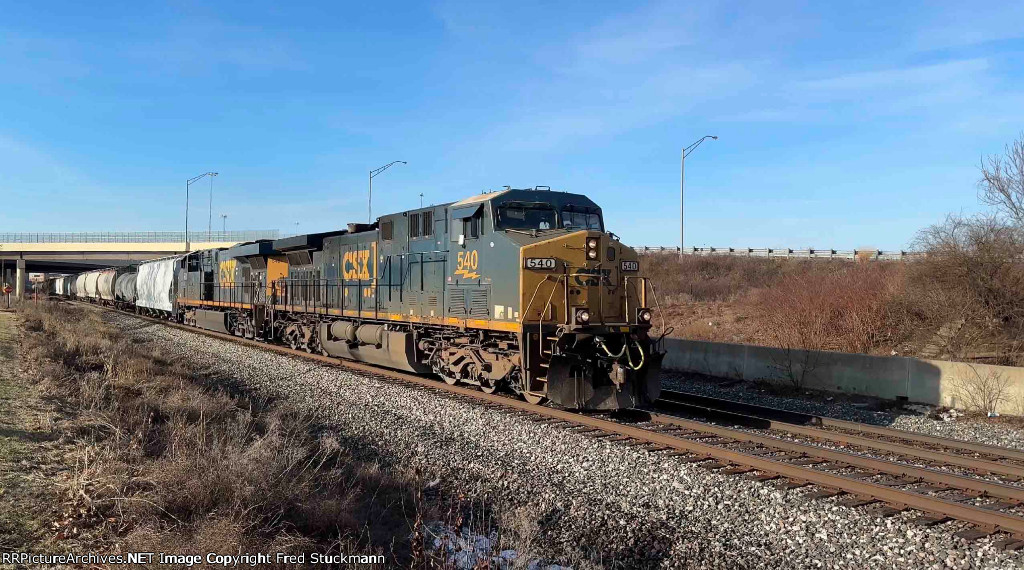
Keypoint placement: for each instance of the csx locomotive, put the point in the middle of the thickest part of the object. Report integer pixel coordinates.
(522, 290)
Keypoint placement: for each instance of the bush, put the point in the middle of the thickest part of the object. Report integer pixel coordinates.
(709, 278)
(970, 282)
(849, 308)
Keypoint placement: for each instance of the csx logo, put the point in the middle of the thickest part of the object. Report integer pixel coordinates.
(599, 276)
(227, 271)
(356, 264)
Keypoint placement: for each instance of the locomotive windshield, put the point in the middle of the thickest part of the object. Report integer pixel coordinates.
(526, 216)
(580, 219)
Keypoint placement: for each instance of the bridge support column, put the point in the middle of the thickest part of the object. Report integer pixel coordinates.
(20, 279)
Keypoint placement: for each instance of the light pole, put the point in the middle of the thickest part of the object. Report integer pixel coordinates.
(369, 196)
(421, 199)
(209, 221)
(682, 177)
(187, 184)
(223, 224)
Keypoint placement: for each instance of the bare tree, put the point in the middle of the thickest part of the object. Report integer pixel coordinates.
(1002, 181)
(971, 281)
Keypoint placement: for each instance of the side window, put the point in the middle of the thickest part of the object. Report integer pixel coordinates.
(414, 225)
(428, 223)
(471, 227)
(387, 230)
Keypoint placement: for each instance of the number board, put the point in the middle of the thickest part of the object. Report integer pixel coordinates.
(540, 263)
(631, 266)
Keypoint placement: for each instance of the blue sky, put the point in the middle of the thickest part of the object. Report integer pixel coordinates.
(841, 124)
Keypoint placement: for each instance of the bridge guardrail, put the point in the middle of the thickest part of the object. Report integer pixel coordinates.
(767, 252)
(137, 237)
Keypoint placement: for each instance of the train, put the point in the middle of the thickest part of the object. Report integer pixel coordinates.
(519, 290)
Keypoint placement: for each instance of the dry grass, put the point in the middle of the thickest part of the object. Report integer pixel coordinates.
(168, 464)
(170, 461)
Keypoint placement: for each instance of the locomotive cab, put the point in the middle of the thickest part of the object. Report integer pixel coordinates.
(576, 294)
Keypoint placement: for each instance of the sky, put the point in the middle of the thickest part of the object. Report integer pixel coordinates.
(841, 125)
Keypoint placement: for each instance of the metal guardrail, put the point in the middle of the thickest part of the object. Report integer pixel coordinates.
(137, 237)
(769, 252)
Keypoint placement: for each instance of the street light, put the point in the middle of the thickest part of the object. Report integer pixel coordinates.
(187, 184)
(682, 172)
(373, 173)
(421, 199)
(223, 224)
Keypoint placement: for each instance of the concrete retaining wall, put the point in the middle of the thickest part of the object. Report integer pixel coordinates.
(936, 382)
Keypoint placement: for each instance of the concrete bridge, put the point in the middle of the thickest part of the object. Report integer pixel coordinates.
(46, 252)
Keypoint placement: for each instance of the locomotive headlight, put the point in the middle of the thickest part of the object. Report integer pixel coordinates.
(591, 254)
(644, 315)
(592, 243)
(582, 316)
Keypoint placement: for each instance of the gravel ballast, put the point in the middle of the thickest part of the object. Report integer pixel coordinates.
(606, 502)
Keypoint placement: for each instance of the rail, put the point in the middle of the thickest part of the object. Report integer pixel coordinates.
(788, 253)
(137, 237)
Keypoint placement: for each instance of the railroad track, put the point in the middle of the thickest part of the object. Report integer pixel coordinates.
(883, 433)
(858, 480)
(1004, 463)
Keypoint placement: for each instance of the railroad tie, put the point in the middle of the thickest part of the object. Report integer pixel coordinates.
(974, 533)
(1010, 544)
(959, 497)
(763, 476)
(932, 488)
(930, 520)
(1000, 505)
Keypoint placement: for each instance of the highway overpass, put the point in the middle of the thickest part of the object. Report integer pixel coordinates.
(49, 252)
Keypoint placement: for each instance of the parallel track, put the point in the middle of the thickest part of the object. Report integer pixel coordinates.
(932, 450)
(737, 452)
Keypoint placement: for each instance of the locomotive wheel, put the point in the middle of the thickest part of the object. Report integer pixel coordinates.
(488, 389)
(450, 380)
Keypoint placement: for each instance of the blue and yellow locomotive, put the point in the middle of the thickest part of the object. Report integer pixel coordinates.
(518, 289)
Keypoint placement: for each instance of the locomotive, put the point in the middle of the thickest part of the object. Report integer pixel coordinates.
(519, 289)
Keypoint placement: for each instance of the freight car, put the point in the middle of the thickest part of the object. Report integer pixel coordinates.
(522, 290)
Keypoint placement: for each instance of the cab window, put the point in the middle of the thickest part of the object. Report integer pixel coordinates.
(471, 227)
(578, 219)
(526, 216)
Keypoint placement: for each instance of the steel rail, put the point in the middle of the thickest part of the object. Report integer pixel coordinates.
(768, 413)
(987, 519)
(975, 464)
(854, 460)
